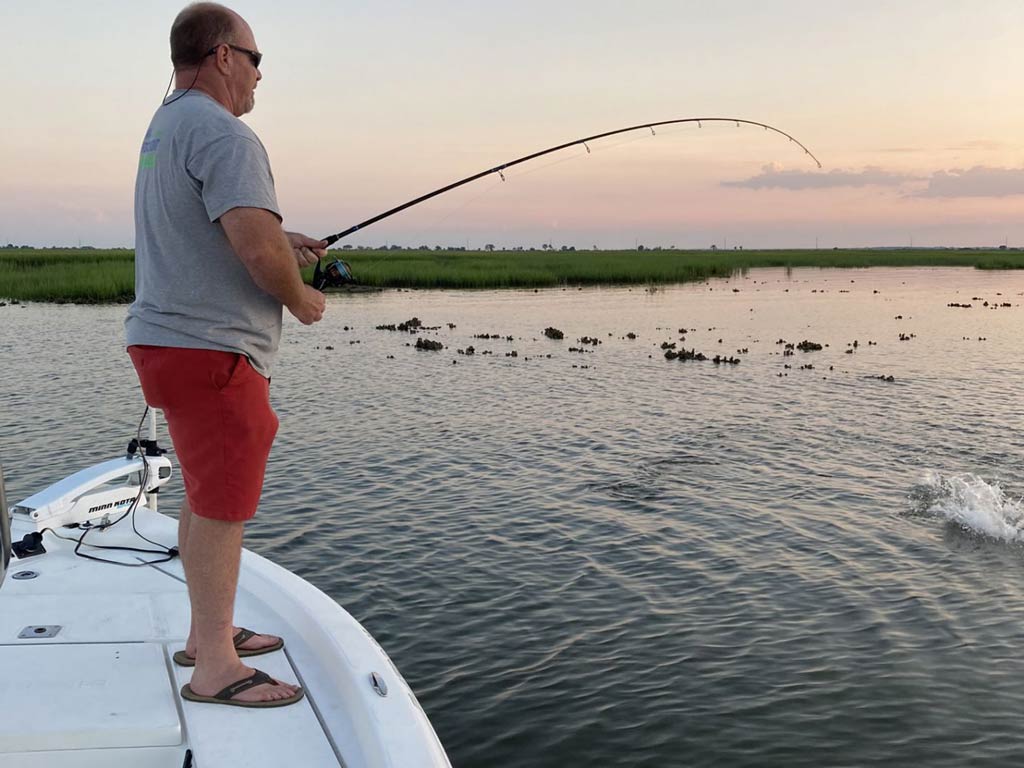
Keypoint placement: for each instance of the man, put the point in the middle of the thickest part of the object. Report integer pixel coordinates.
(213, 270)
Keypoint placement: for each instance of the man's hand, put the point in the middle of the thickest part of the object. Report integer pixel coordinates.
(307, 250)
(310, 309)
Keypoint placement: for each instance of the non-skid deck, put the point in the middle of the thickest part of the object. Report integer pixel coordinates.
(103, 690)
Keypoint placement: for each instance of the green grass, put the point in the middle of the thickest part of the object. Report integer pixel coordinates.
(82, 276)
(527, 269)
(94, 276)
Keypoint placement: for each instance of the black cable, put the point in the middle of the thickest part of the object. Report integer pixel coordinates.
(142, 487)
(169, 552)
(135, 445)
(163, 101)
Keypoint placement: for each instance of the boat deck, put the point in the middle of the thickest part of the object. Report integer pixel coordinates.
(103, 691)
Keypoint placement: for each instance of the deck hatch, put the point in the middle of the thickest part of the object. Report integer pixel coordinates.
(71, 696)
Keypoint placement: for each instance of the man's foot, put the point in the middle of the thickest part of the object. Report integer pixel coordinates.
(250, 688)
(246, 642)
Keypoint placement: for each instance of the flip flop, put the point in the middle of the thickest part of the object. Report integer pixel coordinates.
(182, 659)
(226, 696)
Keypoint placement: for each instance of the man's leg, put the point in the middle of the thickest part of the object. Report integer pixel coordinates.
(184, 518)
(211, 571)
(184, 384)
(255, 642)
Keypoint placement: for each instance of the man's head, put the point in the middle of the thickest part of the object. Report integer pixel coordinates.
(210, 31)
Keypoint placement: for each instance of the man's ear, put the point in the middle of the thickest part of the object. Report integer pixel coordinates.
(222, 59)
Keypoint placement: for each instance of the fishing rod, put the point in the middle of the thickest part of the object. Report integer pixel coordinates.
(318, 277)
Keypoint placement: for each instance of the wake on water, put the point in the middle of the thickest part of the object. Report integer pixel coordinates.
(971, 503)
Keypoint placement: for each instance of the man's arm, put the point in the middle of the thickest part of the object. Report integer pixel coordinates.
(259, 242)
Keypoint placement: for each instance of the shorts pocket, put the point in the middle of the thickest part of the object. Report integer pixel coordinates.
(227, 369)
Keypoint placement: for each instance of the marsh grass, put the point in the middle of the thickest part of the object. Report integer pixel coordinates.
(527, 269)
(80, 276)
(95, 276)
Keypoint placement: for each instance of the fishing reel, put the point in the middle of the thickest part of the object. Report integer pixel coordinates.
(336, 274)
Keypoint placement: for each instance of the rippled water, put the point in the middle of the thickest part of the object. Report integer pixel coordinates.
(606, 558)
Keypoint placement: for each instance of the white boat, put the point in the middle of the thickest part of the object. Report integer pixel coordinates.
(86, 676)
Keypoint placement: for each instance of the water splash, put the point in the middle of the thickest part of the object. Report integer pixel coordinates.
(972, 503)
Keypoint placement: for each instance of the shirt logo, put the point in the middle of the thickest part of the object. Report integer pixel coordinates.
(148, 157)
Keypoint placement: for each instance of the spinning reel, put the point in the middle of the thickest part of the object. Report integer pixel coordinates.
(336, 274)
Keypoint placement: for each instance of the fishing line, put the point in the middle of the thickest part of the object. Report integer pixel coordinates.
(585, 141)
(338, 273)
(365, 265)
(475, 198)
(503, 179)
(570, 158)
(600, 148)
(442, 218)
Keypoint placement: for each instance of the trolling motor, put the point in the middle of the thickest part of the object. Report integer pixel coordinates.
(97, 497)
(336, 274)
(96, 494)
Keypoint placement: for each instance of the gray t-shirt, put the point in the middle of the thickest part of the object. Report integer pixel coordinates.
(199, 161)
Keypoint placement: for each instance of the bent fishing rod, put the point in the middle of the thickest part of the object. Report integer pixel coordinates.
(500, 169)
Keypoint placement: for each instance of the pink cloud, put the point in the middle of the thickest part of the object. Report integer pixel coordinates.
(979, 181)
(772, 178)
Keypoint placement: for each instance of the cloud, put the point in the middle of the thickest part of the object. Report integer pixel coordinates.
(979, 181)
(973, 145)
(773, 177)
(984, 145)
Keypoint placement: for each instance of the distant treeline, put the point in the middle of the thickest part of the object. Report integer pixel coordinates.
(86, 275)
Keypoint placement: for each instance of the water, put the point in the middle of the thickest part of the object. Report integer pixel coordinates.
(606, 558)
(971, 503)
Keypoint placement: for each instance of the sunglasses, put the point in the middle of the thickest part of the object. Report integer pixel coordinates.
(254, 56)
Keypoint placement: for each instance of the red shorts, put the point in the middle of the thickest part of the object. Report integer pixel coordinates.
(218, 413)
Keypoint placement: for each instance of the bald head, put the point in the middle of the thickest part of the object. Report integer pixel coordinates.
(208, 32)
(198, 28)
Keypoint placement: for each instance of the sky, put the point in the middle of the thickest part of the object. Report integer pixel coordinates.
(914, 109)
